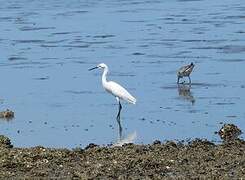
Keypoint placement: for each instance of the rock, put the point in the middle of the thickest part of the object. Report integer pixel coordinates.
(91, 145)
(5, 142)
(8, 114)
(156, 142)
(229, 132)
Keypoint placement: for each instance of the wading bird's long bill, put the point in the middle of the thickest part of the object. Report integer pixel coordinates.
(93, 68)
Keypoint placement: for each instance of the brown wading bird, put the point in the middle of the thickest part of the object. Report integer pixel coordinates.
(185, 71)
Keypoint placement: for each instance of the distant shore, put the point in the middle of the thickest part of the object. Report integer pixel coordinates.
(197, 159)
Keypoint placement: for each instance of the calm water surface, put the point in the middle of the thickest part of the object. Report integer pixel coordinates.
(47, 47)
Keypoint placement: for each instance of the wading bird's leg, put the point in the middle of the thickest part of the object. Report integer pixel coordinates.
(119, 110)
(118, 118)
(189, 79)
(178, 80)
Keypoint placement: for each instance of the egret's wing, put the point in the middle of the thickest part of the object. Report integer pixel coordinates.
(118, 91)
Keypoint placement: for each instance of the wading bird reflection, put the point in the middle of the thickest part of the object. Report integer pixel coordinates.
(185, 93)
(185, 71)
(116, 90)
(130, 138)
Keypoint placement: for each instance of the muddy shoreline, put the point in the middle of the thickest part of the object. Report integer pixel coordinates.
(197, 159)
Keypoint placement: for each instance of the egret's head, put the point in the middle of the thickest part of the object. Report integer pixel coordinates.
(100, 66)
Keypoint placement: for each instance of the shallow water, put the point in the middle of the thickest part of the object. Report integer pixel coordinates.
(48, 47)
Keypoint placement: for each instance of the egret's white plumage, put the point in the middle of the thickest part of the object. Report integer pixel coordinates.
(114, 88)
(118, 91)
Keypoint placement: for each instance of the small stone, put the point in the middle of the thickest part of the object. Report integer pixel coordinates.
(229, 132)
(8, 114)
(156, 142)
(91, 145)
(5, 142)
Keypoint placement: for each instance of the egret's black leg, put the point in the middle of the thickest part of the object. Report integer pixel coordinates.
(119, 120)
(119, 111)
(189, 79)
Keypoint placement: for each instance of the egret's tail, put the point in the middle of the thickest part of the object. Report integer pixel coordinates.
(132, 100)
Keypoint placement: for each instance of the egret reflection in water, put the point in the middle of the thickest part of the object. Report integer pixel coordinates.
(185, 93)
(130, 138)
(119, 128)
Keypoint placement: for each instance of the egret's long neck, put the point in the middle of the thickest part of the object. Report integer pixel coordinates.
(104, 80)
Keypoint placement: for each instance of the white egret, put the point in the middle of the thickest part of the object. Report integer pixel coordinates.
(115, 89)
(185, 71)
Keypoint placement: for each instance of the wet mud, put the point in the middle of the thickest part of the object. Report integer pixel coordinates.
(196, 159)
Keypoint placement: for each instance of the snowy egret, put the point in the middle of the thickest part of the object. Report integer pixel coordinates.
(185, 71)
(115, 89)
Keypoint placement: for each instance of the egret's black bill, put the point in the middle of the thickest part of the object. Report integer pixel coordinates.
(93, 68)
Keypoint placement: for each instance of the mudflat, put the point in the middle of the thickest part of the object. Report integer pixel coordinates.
(196, 159)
